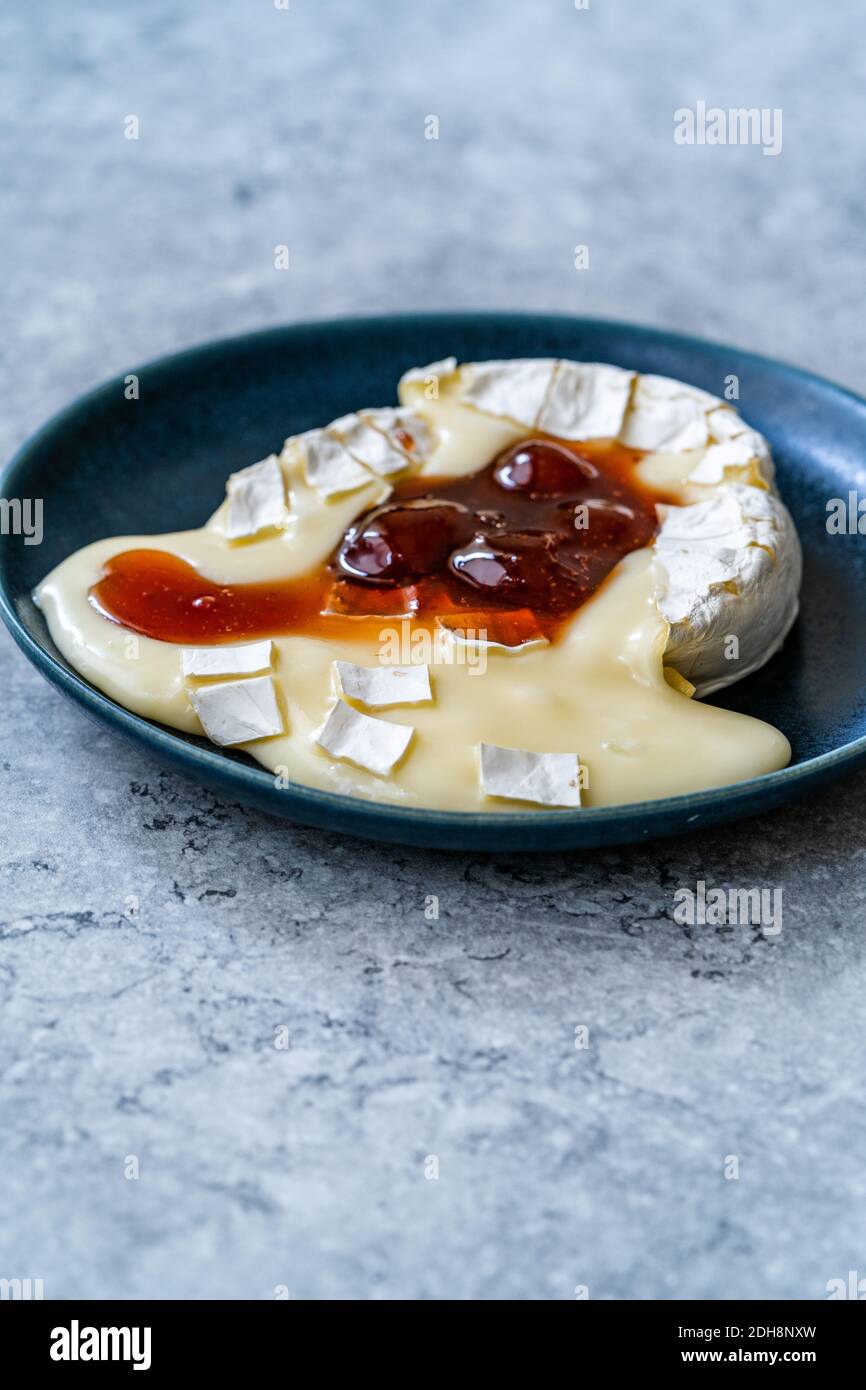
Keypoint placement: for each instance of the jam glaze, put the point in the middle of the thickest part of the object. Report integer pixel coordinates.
(514, 548)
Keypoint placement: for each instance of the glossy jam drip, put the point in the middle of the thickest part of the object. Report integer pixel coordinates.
(516, 547)
(162, 596)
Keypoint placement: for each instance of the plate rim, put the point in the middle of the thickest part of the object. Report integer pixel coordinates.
(259, 783)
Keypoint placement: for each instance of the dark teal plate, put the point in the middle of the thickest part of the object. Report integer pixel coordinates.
(107, 466)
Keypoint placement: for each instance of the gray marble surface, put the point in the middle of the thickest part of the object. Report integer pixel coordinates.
(155, 939)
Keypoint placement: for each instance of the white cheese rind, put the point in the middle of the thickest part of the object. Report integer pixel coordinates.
(549, 779)
(256, 500)
(373, 438)
(729, 568)
(368, 446)
(667, 415)
(587, 400)
(733, 444)
(380, 686)
(329, 467)
(516, 389)
(395, 422)
(234, 712)
(372, 744)
(244, 660)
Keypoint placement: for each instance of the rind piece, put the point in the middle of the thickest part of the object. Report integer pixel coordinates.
(369, 446)
(667, 414)
(405, 429)
(587, 400)
(729, 568)
(329, 467)
(244, 660)
(379, 686)
(549, 779)
(234, 712)
(733, 445)
(516, 389)
(725, 423)
(380, 439)
(256, 499)
(372, 744)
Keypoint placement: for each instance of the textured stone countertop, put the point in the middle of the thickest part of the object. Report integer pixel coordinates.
(150, 1030)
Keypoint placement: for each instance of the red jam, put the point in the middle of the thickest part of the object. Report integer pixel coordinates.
(516, 548)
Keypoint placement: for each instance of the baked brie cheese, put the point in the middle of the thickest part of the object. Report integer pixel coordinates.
(509, 591)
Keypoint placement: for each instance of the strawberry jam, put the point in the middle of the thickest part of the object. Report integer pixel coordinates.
(516, 548)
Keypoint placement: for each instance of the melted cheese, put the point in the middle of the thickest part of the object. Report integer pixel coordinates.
(600, 689)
